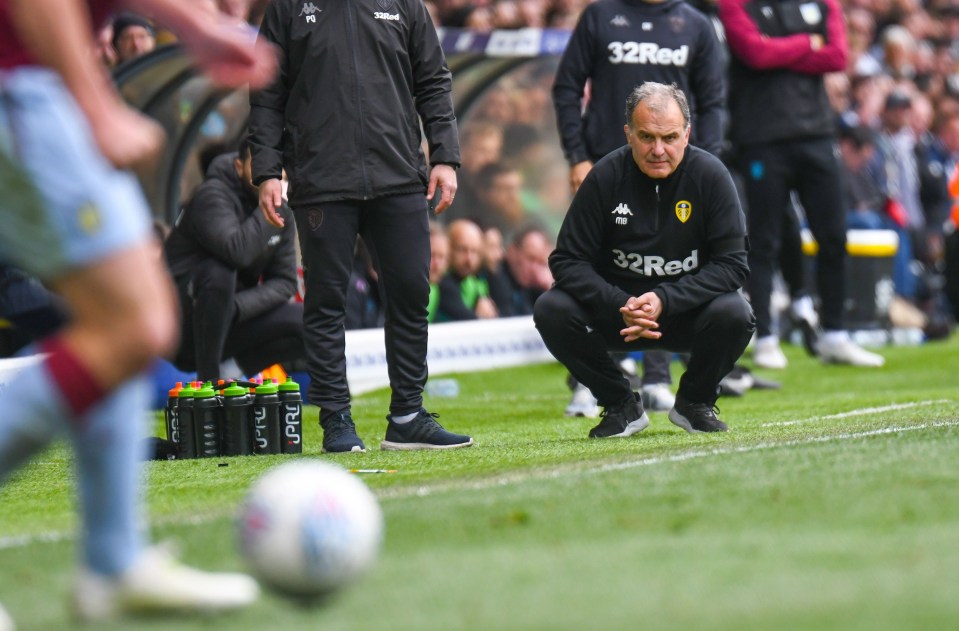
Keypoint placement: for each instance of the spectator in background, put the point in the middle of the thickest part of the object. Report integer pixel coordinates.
(464, 290)
(499, 189)
(895, 169)
(784, 133)
(525, 274)
(493, 251)
(439, 263)
(133, 36)
(482, 144)
(235, 276)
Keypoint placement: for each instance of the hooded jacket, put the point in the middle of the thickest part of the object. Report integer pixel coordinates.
(619, 44)
(223, 221)
(356, 78)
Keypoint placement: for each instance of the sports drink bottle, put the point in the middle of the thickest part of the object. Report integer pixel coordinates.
(207, 421)
(291, 417)
(237, 422)
(266, 419)
(170, 414)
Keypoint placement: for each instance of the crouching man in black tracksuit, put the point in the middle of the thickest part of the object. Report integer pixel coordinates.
(651, 256)
(235, 275)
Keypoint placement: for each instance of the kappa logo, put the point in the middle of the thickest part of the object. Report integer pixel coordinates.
(308, 12)
(619, 20)
(623, 214)
(683, 210)
(274, 241)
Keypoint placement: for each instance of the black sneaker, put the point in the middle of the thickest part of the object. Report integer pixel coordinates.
(423, 432)
(696, 417)
(339, 434)
(622, 420)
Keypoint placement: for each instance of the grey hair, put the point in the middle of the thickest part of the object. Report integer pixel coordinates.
(656, 96)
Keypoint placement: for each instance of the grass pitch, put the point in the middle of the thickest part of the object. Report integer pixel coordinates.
(831, 504)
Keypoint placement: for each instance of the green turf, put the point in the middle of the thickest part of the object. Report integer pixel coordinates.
(832, 504)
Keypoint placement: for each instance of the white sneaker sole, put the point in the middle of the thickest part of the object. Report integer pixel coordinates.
(388, 445)
(679, 420)
(632, 428)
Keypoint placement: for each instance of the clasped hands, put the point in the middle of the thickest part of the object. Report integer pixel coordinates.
(639, 316)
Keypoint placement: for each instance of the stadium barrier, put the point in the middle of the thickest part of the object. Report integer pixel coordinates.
(453, 347)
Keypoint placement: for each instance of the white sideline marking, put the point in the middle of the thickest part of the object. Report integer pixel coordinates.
(859, 412)
(20, 541)
(513, 478)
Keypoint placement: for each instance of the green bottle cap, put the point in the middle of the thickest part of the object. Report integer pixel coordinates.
(289, 385)
(266, 388)
(234, 390)
(205, 392)
(187, 391)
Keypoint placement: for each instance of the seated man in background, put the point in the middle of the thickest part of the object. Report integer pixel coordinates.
(651, 256)
(133, 36)
(235, 276)
(439, 263)
(464, 290)
(524, 274)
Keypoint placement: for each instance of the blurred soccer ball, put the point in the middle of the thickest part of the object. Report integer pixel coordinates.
(308, 528)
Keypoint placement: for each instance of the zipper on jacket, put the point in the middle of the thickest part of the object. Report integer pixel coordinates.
(656, 217)
(361, 140)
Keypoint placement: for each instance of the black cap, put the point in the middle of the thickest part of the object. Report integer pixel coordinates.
(125, 20)
(898, 99)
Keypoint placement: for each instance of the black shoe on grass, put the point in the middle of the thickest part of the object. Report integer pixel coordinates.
(696, 417)
(423, 432)
(339, 434)
(622, 420)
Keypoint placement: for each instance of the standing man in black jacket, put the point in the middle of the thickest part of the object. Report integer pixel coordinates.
(356, 79)
(785, 135)
(616, 46)
(235, 275)
(651, 256)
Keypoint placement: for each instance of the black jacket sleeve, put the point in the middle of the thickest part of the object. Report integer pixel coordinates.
(726, 270)
(708, 85)
(212, 221)
(267, 106)
(573, 262)
(575, 68)
(278, 282)
(432, 87)
(451, 305)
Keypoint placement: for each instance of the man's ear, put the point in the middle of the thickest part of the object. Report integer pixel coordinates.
(238, 167)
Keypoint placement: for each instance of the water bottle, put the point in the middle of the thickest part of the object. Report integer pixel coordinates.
(206, 421)
(237, 422)
(187, 445)
(266, 419)
(170, 414)
(291, 416)
(443, 388)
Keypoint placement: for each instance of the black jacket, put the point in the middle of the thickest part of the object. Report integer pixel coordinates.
(619, 44)
(625, 234)
(356, 77)
(223, 221)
